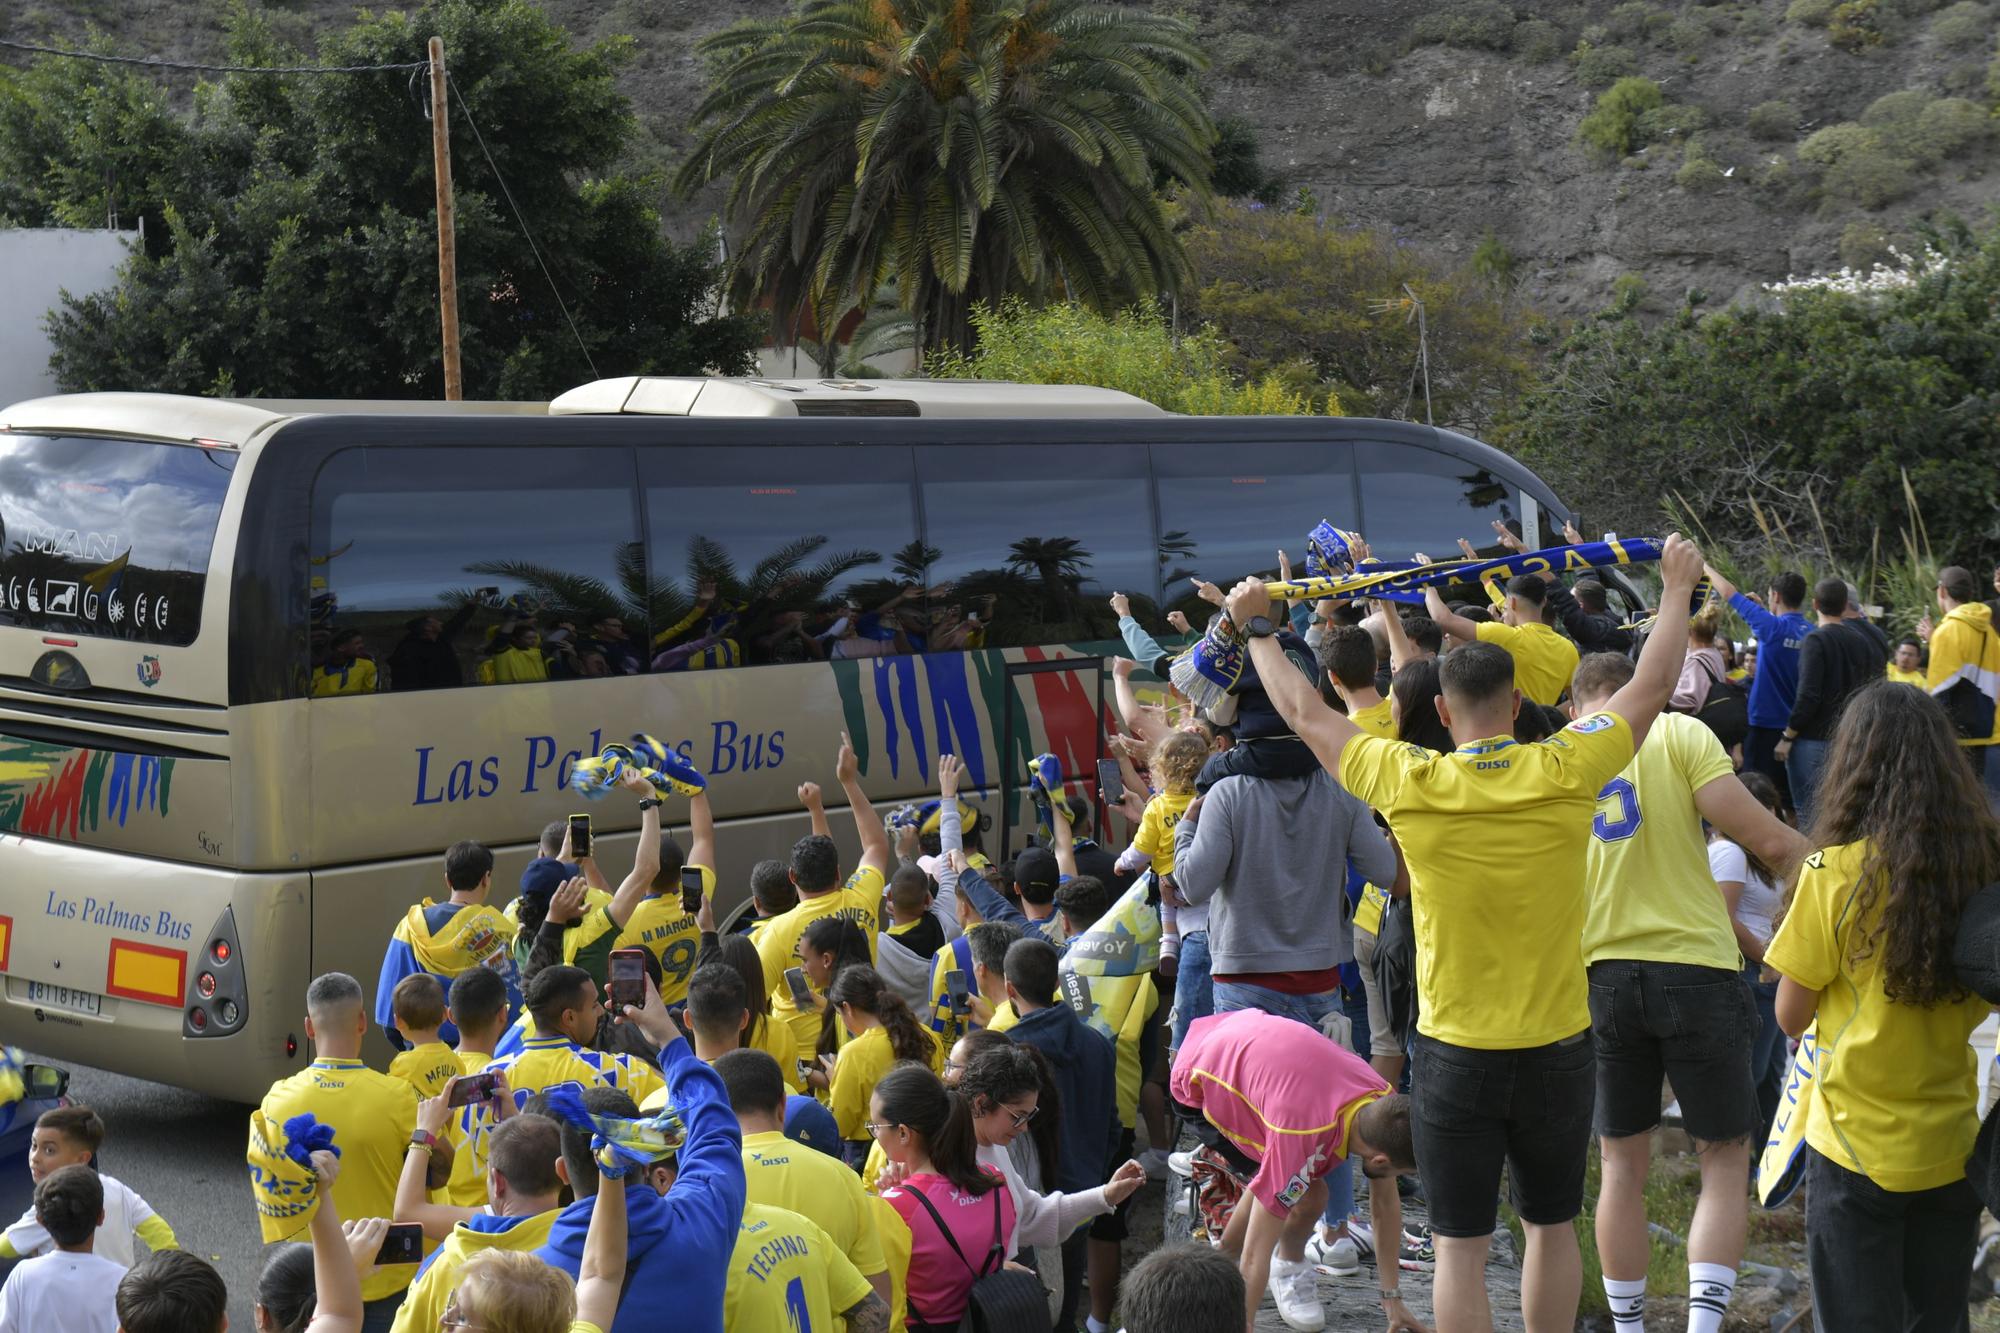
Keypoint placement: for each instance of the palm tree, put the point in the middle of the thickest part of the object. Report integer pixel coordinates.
(969, 149)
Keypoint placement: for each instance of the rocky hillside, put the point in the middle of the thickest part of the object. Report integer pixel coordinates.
(1770, 151)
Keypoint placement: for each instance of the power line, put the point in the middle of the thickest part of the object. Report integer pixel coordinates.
(151, 62)
(533, 249)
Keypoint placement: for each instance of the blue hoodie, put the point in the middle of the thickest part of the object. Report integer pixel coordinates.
(678, 1252)
(1777, 680)
(1086, 1073)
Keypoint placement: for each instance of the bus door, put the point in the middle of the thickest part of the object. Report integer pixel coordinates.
(1066, 694)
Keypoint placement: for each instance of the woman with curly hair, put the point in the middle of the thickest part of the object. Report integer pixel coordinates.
(1905, 839)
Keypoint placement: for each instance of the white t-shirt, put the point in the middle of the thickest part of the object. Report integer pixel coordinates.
(124, 1210)
(61, 1293)
(1758, 906)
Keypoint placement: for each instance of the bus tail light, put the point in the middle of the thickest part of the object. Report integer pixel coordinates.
(217, 1004)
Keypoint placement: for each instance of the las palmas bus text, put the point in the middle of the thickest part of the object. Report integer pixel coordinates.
(545, 765)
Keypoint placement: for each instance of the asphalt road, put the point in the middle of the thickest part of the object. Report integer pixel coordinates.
(183, 1153)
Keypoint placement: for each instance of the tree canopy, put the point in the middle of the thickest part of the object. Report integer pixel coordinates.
(291, 240)
(970, 149)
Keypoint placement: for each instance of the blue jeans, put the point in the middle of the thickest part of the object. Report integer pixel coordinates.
(1802, 769)
(1768, 1052)
(1308, 1009)
(1194, 988)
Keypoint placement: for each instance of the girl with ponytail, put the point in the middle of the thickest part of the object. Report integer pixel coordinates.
(883, 1032)
(953, 1205)
(829, 946)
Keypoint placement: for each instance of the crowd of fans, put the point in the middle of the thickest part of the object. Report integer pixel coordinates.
(1441, 897)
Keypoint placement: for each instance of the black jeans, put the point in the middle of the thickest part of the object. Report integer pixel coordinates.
(1885, 1262)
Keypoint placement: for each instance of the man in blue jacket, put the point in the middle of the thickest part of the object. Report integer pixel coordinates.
(1779, 631)
(680, 1240)
(1085, 1068)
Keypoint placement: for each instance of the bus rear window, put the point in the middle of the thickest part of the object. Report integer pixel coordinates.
(108, 538)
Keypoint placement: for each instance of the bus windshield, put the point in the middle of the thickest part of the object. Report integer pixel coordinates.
(108, 538)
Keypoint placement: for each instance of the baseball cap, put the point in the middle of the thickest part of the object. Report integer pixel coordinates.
(1035, 868)
(810, 1123)
(542, 877)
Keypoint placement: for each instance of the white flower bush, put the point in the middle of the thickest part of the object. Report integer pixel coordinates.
(1906, 271)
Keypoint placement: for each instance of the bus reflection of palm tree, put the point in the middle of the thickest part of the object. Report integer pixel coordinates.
(753, 608)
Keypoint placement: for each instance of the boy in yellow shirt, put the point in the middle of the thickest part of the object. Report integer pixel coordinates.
(429, 1064)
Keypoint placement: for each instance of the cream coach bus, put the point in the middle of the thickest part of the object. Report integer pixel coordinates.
(255, 658)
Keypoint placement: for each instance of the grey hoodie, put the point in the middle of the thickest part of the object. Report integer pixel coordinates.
(1272, 853)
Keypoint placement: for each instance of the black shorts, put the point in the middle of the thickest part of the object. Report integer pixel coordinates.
(1111, 1226)
(1475, 1111)
(1692, 1026)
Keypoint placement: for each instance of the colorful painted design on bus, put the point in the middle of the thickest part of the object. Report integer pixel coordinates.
(926, 705)
(58, 791)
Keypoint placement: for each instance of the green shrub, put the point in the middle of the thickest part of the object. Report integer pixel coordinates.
(1812, 13)
(1774, 120)
(1836, 143)
(1689, 36)
(1539, 41)
(1699, 173)
(1673, 120)
(1637, 21)
(1482, 25)
(1966, 24)
(1863, 245)
(1966, 76)
(1602, 66)
(1858, 25)
(1950, 127)
(1612, 127)
(1718, 19)
(1871, 177)
(1896, 108)
(1249, 55)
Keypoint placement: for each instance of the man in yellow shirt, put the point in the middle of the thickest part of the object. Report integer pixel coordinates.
(786, 1273)
(524, 1196)
(1667, 994)
(1347, 656)
(658, 923)
(1965, 656)
(784, 1174)
(1543, 659)
(347, 669)
(1907, 666)
(1495, 835)
(372, 1115)
(816, 873)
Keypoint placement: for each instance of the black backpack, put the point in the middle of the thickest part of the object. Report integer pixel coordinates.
(1724, 709)
(1003, 1299)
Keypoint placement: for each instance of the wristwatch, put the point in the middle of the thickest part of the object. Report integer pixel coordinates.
(1392, 1294)
(424, 1139)
(1260, 627)
(651, 803)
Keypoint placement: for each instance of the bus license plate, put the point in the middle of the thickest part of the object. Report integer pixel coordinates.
(62, 997)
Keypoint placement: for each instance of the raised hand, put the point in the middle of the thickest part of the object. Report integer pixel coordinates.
(1123, 667)
(846, 766)
(1465, 547)
(1680, 563)
(1570, 534)
(949, 772)
(567, 904)
(1179, 621)
(1248, 600)
(1505, 536)
(809, 795)
(1208, 592)
(1121, 605)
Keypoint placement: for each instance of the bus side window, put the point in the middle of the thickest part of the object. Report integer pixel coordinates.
(781, 554)
(443, 567)
(1028, 541)
(1417, 499)
(1226, 514)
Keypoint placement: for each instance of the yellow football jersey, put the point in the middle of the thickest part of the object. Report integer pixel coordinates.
(787, 1274)
(1495, 836)
(1651, 896)
(1544, 661)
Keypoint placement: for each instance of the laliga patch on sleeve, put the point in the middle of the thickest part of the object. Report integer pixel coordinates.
(1295, 1188)
(1595, 722)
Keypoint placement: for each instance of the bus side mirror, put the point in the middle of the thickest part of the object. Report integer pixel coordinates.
(43, 1082)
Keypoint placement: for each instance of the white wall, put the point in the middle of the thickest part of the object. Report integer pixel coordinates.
(36, 267)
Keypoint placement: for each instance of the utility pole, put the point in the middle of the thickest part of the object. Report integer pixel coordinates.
(454, 382)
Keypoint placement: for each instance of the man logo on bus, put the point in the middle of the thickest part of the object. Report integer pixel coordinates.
(149, 671)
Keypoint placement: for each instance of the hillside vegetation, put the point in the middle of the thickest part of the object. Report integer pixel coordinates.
(1712, 147)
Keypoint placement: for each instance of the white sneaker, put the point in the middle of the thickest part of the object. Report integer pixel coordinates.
(1341, 1255)
(1295, 1291)
(1155, 1162)
(1181, 1163)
